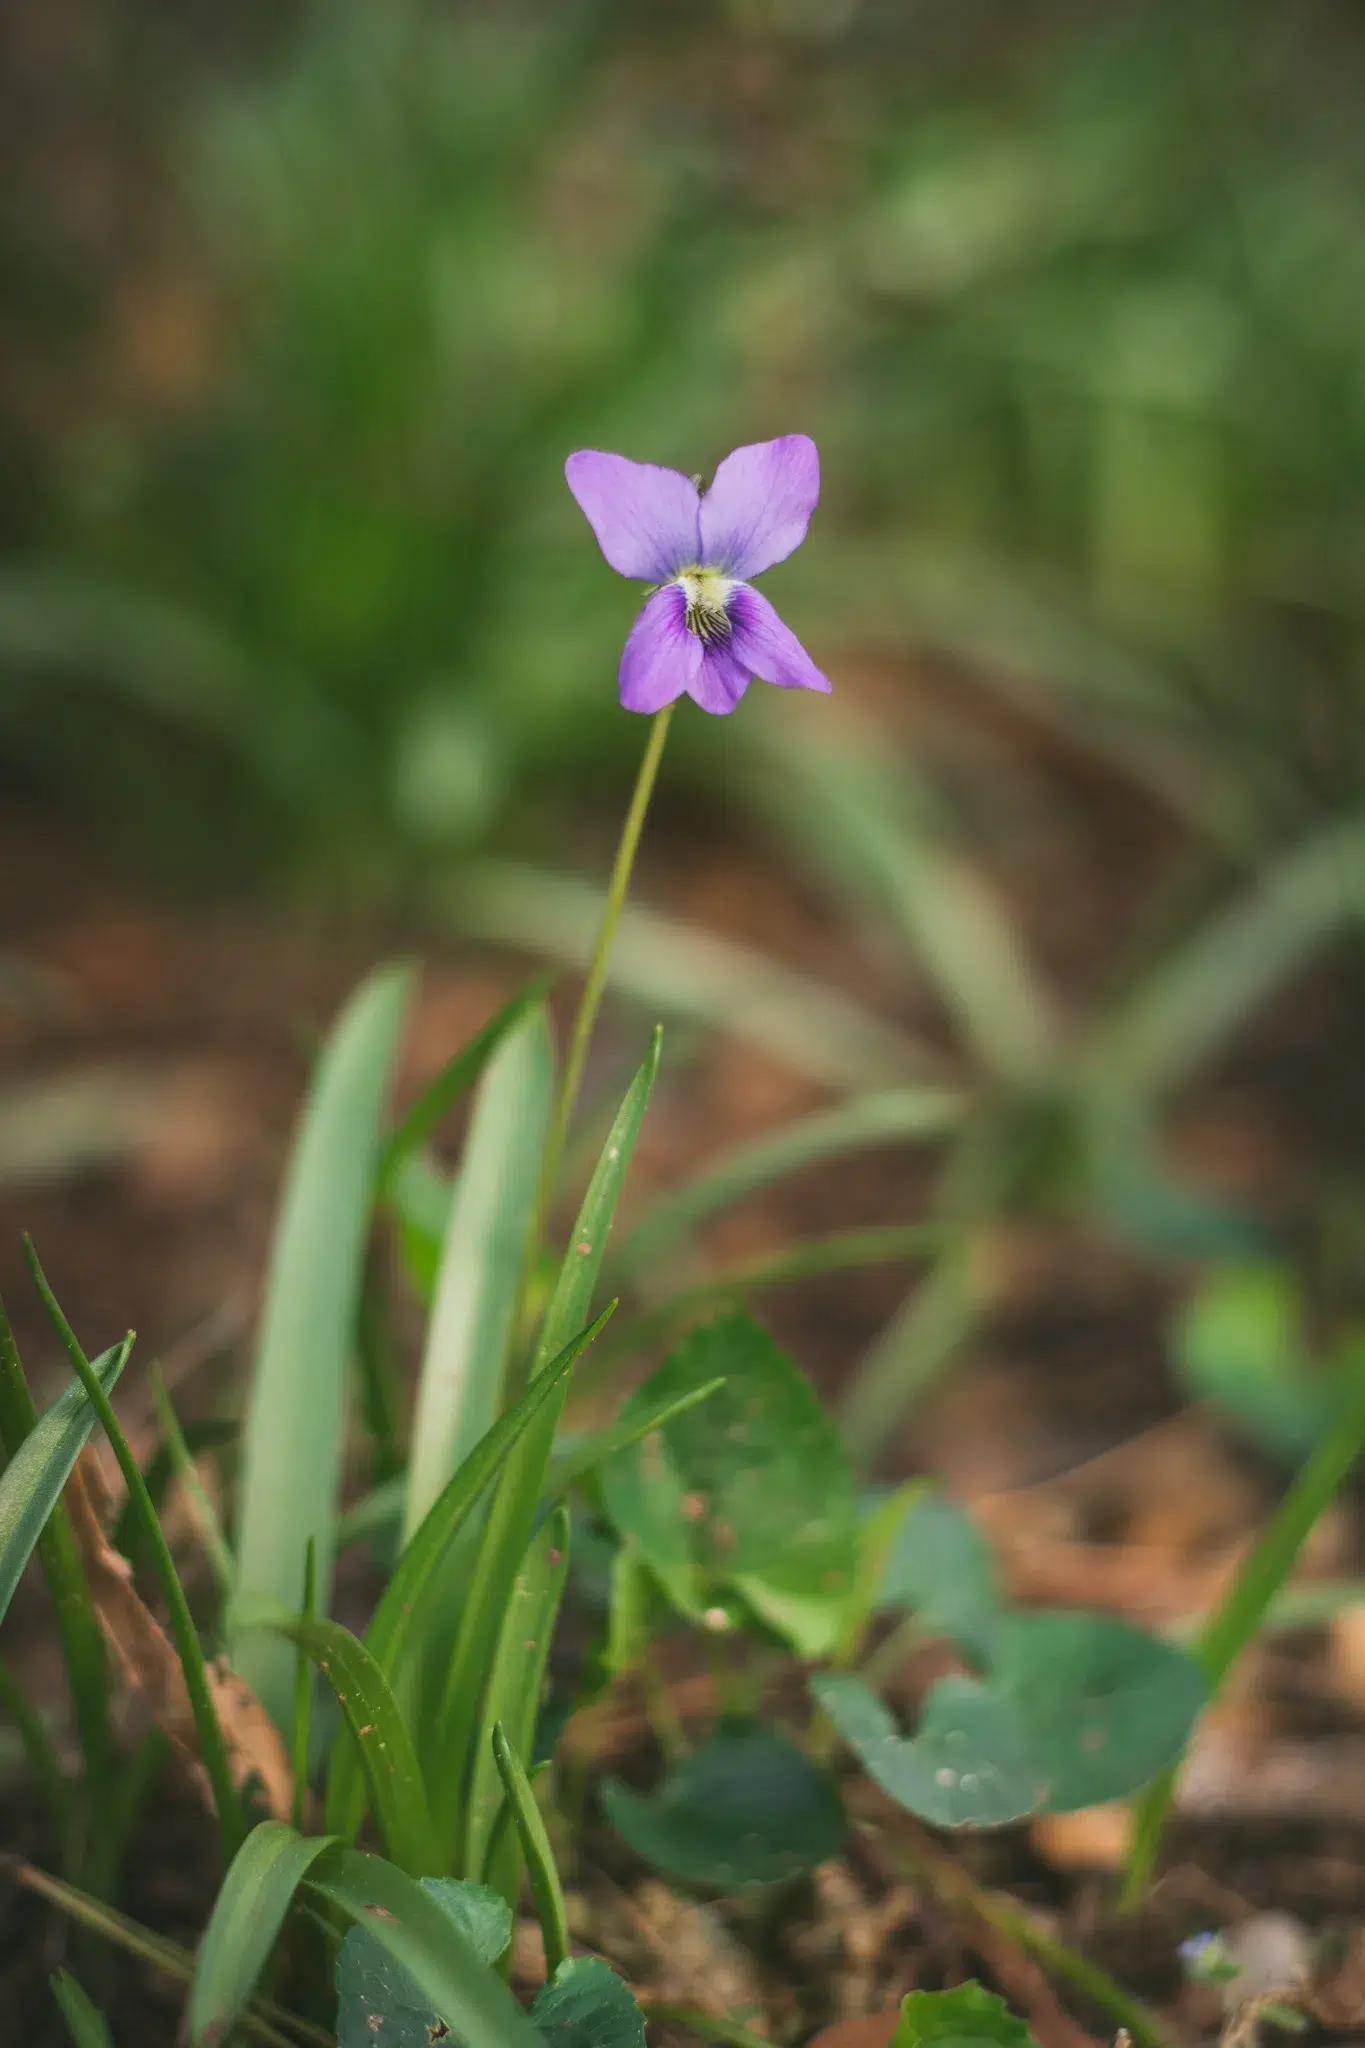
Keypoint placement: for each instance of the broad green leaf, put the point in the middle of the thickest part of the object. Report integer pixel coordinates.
(967, 1765)
(85, 2022)
(516, 1681)
(750, 1492)
(379, 2003)
(586, 2005)
(399, 1614)
(512, 1512)
(292, 1439)
(482, 1262)
(745, 1808)
(32, 1482)
(460, 1072)
(1239, 1345)
(247, 1916)
(939, 1566)
(1104, 1707)
(379, 1732)
(453, 1979)
(966, 2017)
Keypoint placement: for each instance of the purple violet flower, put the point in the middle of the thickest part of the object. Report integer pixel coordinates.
(704, 629)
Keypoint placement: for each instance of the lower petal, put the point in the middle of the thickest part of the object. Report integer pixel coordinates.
(760, 643)
(720, 680)
(660, 657)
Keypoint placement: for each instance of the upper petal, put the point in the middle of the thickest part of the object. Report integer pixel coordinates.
(645, 517)
(759, 505)
(767, 648)
(660, 658)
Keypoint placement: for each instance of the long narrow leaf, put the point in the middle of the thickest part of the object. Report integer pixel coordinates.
(515, 1683)
(482, 1261)
(460, 1072)
(379, 1732)
(895, 1116)
(398, 1616)
(291, 1453)
(183, 1633)
(512, 1512)
(471, 1998)
(1263, 1571)
(573, 1460)
(32, 1482)
(535, 1847)
(683, 971)
(247, 1916)
(85, 2022)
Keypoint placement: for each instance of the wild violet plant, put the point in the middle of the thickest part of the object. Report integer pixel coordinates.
(722, 1499)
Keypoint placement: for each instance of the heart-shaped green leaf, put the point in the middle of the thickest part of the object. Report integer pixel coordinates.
(1105, 1706)
(380, 2004)
(746, 1808)
(968, 1764)
(967, 2017)
(939, 1566)
(586, 2005)
(749, 1491)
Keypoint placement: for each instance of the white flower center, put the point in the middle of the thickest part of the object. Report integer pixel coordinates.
(705, 592)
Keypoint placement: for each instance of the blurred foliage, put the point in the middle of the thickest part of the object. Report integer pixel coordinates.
(1073, 313)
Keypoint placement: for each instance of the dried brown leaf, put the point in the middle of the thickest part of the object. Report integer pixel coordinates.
(147, 1659)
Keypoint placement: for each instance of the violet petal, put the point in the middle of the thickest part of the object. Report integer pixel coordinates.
(645, 517)
(721, 678)
(760, 504)
(660, 658)
(767, 648)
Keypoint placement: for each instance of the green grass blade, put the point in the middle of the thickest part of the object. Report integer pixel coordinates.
(84, 1655)
(1202, 991)
(211, 1537)
(159, 1471)
(677, 969)
(1248, 1600)
(870, 830)
(895, 1116)
(378, 1730)
(535, 1847)
(573, 1462)
(460, 1072)
(394, 1910)
(482, 1261)
(397, 1619)
(31, 1484)
(247, 1916)
(183, 1633)
(85, 2022)
(512, 1513)
(163, 1955)
(292, 1439)
(515, 1684)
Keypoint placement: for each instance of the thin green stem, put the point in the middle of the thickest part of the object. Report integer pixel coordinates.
(212, 1750)
(589, 1002)
(78, 1629)
(1249, 1599)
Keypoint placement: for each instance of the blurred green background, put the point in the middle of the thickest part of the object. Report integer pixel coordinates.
(306, 306)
